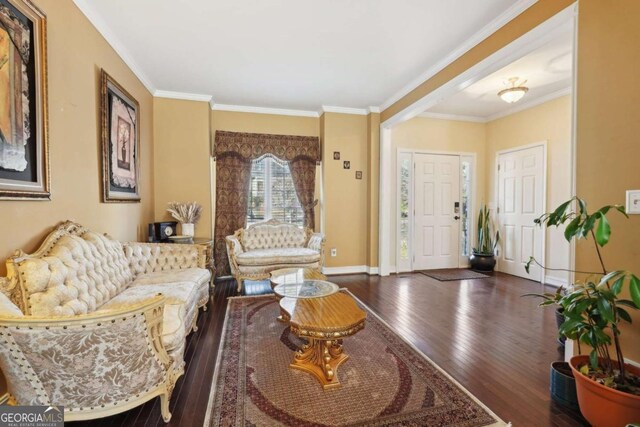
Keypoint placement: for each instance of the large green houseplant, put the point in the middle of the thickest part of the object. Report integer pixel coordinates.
(594, 309)
(483, 254)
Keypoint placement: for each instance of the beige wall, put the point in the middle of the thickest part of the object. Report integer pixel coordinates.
(345, 197)
(76, 52)
(373, 187)
(182, 160)
(550, 122)
(436, 135)
(608, 132)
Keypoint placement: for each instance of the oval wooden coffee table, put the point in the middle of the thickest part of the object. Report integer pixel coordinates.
(324, 322)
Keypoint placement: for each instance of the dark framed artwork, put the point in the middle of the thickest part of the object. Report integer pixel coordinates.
(24, 151)
(358, 174)
(346, 164)
(120, 115)
(336, 155)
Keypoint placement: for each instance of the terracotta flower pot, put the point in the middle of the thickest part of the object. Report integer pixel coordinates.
(603, 406)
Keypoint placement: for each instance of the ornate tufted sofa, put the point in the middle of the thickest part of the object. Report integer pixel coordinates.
(257, 250)
(96, 325)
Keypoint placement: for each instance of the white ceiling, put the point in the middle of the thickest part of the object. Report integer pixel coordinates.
(293, 54)
(548, 71)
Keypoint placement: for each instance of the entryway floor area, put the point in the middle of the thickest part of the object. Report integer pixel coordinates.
(496, 343)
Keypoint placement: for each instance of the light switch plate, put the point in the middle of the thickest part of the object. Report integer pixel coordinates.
(633, 202)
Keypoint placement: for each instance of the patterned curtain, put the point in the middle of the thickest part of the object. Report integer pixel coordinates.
(303, 173)
(234, 152)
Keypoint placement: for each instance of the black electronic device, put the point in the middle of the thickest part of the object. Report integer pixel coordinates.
(161, 231)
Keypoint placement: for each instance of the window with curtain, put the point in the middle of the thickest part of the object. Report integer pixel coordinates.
(272, 193)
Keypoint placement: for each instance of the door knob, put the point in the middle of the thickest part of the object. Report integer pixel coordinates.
(456, 217)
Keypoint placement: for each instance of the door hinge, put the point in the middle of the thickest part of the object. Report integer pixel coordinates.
(498, 166)
(498, 209)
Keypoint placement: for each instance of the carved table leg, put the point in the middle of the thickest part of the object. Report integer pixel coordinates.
(321, 359)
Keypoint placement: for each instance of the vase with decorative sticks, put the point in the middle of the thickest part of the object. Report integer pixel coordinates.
(187, 213)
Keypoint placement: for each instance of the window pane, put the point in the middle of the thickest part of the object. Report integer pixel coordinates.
(271, 183)
(256, 205)
(466, 208)
(404, 209)
(285, 206)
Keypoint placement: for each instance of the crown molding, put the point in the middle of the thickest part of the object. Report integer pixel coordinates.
(182, 95)
(515, 10)
(114, 42)
(373, 110)
(263, 110)
(344, 110)
(456, 117)
(529, 104)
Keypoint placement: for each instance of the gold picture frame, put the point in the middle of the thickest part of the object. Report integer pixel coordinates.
(24, 146)
(120, 138)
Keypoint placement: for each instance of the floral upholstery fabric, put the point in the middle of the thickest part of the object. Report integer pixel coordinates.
(152, 257)
(181, 307)
(279, 256)
(83, 366)
(79, 274)
(267, 236)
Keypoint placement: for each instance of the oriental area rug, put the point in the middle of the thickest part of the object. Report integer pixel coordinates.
(385, 382)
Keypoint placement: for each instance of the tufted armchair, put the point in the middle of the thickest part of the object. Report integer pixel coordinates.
(266, 246)
(96, 325)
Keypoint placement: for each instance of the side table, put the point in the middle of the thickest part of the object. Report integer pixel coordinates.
(208, 244)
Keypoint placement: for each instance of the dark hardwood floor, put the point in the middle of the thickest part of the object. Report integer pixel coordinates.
(497, 344)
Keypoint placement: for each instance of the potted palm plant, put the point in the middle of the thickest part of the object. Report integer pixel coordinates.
(483, 254)
(608, 388)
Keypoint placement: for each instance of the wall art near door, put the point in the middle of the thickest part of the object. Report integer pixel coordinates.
(120, 131)
(24, 155)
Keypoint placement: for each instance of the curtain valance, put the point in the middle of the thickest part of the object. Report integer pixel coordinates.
(250, 146)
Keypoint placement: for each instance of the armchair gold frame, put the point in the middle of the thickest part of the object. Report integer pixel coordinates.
(238, 237)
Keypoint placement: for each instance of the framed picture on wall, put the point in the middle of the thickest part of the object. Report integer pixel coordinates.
(120, 133)
(24, 153)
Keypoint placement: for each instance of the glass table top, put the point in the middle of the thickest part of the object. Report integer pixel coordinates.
(306, 289)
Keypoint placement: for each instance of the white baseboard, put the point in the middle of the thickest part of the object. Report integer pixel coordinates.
(632, 362)
(555, 282)
(350, 269)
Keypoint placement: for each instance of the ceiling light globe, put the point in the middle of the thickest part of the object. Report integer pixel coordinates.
(512, 95)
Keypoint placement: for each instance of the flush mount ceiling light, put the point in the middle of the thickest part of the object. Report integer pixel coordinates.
(514, 92)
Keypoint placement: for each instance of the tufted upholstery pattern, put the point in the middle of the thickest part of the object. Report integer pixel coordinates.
(152, 257)
(79, 274)
(84, 302)
(261, 248)
(264, 236)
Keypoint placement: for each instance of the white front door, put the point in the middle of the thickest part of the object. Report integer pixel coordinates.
(437, 221)
(521, 196)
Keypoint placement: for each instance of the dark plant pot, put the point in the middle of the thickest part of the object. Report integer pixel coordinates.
(604, 406)
(560, 321)
(563, 385)
(482, 262)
